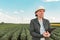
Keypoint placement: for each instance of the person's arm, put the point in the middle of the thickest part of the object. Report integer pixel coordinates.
(49, 28)
(32, 32)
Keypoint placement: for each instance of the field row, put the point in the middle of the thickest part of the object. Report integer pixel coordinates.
(21, 32)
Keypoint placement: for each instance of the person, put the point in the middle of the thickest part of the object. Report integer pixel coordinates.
(39, 26)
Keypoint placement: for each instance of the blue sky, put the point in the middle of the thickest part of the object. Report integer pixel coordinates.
(23, 10)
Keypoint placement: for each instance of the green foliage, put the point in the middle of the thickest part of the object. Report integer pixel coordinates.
(21, 32)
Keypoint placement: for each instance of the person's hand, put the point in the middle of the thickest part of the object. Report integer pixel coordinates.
(46, 34)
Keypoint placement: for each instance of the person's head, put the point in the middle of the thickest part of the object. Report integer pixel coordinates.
(40, 12)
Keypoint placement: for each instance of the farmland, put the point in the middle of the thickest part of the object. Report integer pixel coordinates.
(21, 32)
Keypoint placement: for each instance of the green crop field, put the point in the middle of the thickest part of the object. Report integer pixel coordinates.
(21, 32)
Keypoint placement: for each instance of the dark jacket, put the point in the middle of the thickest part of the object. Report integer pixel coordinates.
(35, 28)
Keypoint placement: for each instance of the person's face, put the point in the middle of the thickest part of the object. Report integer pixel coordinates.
(40, 13)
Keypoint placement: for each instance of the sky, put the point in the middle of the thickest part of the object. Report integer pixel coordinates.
(22, 11)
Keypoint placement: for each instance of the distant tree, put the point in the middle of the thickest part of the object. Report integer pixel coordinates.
(2, 22)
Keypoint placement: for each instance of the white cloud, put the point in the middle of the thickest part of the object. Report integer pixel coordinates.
(7, 19)
(53, 19)
(21, 11)
(51, 0)
(13, 19)
(18, 12)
